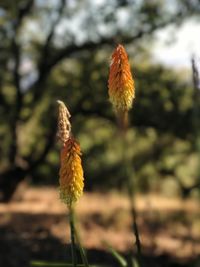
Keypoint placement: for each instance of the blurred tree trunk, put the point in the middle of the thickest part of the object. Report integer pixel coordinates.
(9, 181)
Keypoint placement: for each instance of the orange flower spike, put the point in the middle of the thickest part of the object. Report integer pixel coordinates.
(121, 84)
(71, 172)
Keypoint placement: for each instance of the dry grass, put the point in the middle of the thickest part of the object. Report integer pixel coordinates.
(167, 226)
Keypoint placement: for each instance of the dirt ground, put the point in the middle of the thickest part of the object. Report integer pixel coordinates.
(35, 227)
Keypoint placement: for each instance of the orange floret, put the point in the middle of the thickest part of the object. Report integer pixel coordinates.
(71, 172)
(121, 84)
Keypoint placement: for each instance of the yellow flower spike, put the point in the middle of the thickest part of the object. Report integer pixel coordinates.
(71, 172)
(121, 84)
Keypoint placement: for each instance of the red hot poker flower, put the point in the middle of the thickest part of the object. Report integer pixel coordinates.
(121, 84)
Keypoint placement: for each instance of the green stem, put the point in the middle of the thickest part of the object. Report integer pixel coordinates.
(135, 226)
(130, 191)
(82, 251)
(75, 237)
(72, 229)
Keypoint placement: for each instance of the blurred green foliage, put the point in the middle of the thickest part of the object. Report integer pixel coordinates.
(161, 130)
(62, 51)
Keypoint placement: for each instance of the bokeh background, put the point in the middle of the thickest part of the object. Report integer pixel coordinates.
(61, 49)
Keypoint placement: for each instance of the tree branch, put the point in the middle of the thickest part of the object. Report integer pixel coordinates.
(68, 51)
(43, 66)
(45, 50)
(47, 147)
(22, 12)
(16, 49)
(14, 120)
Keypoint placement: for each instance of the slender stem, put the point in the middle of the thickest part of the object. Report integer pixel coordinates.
(81, 249)
(130, 191)
(72, 229)
(135, 226)
(75, 237)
